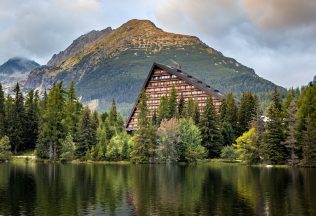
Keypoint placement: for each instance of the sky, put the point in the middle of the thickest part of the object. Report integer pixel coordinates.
(277, 38)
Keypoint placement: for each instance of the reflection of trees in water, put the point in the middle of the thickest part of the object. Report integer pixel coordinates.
(18, 195)
(68, 189)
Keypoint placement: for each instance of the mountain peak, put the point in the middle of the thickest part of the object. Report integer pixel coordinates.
(18, 64)
(77, 45)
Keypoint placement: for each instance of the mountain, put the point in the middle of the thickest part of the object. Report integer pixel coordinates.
(78, 45)
(15, 70)
(114, 64)
(17, 65)
(314, 79)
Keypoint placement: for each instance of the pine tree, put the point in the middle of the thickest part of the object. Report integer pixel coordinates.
(309, 143)
(189, 108)
(229, 112)
(275, 150)
(31, 120)
(247, 112)
(87, 134)
(172, 103)
(145, 137)
(227, 133)
(9, 119)
(306, 104)
(2, 112)
(196, 113)
(113, 114)
(211, 136)
(181, 107)
(163, 109)
(52, 129)
(19, 131)
(291, 132)
(72, 111)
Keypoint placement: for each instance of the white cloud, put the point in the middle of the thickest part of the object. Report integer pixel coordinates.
(275, 37)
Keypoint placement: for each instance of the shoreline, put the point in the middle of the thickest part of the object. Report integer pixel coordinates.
(33, 159)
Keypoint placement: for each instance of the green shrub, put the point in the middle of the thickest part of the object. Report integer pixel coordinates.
(5, 149)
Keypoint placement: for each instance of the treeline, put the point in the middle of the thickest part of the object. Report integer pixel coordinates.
(287, 135)
(58, 127)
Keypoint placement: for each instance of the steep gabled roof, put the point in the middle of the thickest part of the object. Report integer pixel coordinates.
(182, 75)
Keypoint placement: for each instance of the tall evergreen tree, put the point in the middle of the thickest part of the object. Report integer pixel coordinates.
(275, 150)
(19, 134)
(309, 143)
(2, 112)
(72, 112)
(211, 135)
(113, 113)
(145, 137)
(189, 108)
(172, 103)
(52, 130)
(163, 109)
(196, 113)
(229, 111)
(247, 112)
(181, 106)
(87, 134)
(31, 120)
(306, 104)
(291, 132)
(9, 119)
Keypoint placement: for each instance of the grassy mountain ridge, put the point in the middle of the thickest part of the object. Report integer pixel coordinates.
(116, 64)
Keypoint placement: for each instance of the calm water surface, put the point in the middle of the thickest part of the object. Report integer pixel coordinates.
(98, 189)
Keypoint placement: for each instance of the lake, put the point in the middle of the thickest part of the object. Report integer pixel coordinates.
(106, 189)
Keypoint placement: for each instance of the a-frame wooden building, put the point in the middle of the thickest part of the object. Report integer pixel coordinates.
(160, 81)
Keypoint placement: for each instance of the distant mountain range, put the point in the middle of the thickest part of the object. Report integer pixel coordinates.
(15, 70)
(114, 64)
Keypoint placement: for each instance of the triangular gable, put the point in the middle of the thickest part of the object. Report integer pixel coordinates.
(181, 75)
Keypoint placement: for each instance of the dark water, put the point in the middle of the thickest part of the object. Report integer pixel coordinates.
(98, 189)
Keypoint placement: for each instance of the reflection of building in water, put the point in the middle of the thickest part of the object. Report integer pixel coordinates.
(162, 79)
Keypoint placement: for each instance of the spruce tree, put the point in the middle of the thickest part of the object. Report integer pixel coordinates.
(145, 138)
(52, 129)
(211, 135)
(19, 134)
(87, 134)
(31, 120)
(181, 107)
(291, 132)
(229, 111)
(247, 112)
(72, 112)
(163, 109)
(309, 143)
(2, 112)
(113, 114)
(172, 103)
(189, 108)
(9, 119)
(196, 113)
(274, 149)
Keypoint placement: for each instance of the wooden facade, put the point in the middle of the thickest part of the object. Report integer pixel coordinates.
(160, 81)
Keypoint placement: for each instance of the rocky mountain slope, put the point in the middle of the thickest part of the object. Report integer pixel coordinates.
(15, 70)
(114, 64)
